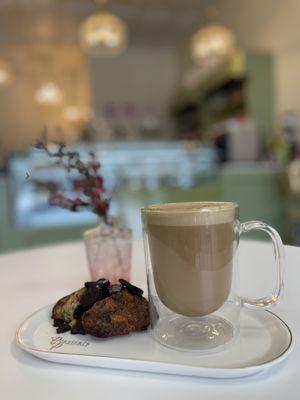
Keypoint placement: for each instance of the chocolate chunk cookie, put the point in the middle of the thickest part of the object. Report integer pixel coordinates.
(119, 314)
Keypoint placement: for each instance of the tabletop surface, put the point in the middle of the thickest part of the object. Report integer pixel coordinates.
(32, 279)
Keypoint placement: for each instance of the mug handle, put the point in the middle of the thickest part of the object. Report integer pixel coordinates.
(267, 301)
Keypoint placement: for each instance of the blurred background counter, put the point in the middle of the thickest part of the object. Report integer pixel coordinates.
(137, 174)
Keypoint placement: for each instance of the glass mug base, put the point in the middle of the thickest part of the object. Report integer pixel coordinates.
(199, 334)
(190, 253)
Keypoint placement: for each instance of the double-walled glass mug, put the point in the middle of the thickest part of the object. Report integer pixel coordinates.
(190, 251)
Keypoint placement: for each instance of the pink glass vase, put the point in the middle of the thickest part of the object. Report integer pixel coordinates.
(108, 250)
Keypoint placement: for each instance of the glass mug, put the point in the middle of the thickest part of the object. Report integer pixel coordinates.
(190, 252)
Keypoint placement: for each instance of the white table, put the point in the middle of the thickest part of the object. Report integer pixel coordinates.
(34, 278)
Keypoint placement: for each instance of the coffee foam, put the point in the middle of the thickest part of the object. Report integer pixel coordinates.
(190, 214)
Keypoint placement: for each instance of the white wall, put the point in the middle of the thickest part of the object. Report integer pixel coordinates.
(272, 25)
(143, 76)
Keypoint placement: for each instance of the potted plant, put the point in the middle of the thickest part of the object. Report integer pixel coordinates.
(108, 246)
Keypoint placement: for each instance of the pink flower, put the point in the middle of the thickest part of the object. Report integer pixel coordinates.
(91, 185)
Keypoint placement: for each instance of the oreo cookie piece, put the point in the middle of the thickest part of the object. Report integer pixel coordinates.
(95, 291)
(131, 288)
(116, 288)
(89, 285)
(102, 282)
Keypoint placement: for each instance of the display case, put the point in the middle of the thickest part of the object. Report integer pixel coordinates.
(129, 168)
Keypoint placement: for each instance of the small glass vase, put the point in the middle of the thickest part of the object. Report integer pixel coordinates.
(108, 249)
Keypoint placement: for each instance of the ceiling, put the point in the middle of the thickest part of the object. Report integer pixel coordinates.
(150, 22)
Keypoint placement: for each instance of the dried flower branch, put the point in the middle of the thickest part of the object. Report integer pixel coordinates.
(91, 187)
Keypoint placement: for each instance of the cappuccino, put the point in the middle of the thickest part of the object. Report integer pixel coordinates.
(191, 250)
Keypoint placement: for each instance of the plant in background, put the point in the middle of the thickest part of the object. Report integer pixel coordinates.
(108, 246)
(91, 189)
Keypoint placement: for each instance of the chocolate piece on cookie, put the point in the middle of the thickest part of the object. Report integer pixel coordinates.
(92, 294)
(116, 288)
(119, 314)
(132, 289)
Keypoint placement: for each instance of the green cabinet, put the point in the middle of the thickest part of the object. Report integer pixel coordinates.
(258, 193)
(260, 93)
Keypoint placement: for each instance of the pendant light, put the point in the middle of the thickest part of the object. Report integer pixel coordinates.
(49, 94)
(5, 73)
(103, 34)
(213, 42)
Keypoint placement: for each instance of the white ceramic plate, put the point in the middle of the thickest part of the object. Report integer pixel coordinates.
(264, 341)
